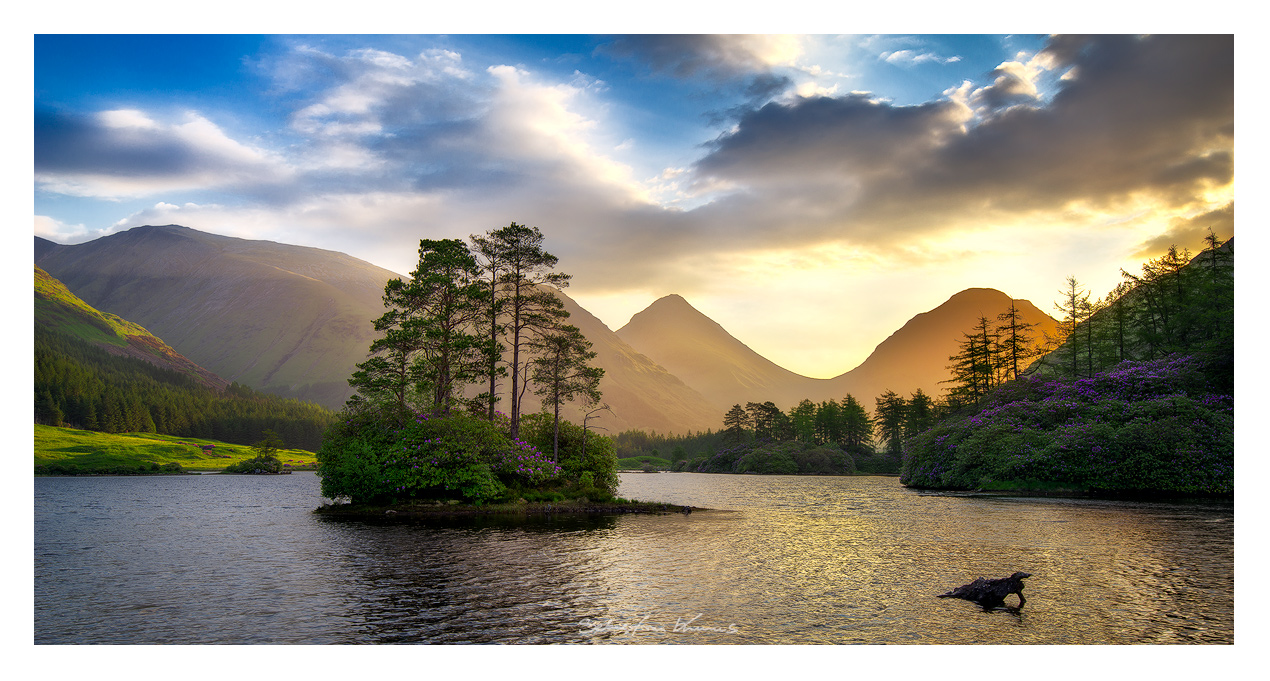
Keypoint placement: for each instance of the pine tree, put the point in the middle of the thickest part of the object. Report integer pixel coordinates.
(736, 424)
(919, 416)
(857, 427)
(528, 308)
(562, 373)
(1074, 305)
(891, 414)
(1017, 344)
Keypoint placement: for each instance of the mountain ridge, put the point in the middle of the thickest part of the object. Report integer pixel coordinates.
(295, 321)
(914, 357)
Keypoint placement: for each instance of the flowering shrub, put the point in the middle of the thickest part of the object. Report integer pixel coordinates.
(1140, 426)
(590, 471)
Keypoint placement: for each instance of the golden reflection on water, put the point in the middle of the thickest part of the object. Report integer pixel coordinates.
(860, 560)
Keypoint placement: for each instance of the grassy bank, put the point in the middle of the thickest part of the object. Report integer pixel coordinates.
(637, 463)
(1144, 429)
(67, 451)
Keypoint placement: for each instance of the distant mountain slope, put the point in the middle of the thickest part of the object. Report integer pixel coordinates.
(727, 372)
(702, 353)
(295, 321)
(916, 356)
(642, 394)
(285, 319)
(57, 309)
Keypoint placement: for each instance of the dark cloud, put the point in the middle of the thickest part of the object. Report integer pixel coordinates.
(1141, 116)
(78, 143)
(735, 63)
(1189, 233)
(716, 57)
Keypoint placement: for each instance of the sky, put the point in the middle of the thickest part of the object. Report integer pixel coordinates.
(810, 193)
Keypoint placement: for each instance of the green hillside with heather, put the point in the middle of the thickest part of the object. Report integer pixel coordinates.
(1137, 400)
(60, 311)
(68, 451)
(102, 373)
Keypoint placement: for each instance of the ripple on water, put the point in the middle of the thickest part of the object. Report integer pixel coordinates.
(239, 559)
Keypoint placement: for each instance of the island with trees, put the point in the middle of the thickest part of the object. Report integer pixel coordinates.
(410, 441)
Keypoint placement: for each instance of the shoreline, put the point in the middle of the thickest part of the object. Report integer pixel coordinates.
(434, 509)
(1076, 493)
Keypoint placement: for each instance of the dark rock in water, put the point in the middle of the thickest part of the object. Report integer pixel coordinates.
(990, 593)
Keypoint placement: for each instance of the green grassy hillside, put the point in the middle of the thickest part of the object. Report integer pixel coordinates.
(60, 311)
(67, 450)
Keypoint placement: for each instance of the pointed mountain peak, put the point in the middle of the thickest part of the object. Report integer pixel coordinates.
(674, 314)
(669, 304)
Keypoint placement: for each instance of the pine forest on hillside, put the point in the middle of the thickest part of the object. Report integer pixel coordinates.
(83, 386)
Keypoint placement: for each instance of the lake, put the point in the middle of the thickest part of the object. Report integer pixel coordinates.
(789, 560)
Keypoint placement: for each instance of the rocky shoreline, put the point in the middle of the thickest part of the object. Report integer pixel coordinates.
(439, 509)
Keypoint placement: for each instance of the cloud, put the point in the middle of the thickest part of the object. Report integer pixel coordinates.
(912, 58)
(1144, 118)
(744, 64)
(1190, 232)
(126, 153)
(1116, 135)
(63, 233)
(716, 57)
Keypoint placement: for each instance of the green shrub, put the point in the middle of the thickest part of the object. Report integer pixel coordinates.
(376, 458)
(599, 460)
(259, 464)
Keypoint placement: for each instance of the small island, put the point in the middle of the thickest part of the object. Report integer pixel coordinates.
(419, 465)
(412, 441)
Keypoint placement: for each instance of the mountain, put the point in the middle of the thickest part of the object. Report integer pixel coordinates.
(284, 319)
(642, 394)
(727, 372)
(696, 349)
(295, 321)
(59, 310)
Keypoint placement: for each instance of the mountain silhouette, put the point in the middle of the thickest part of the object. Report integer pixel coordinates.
(727, 372)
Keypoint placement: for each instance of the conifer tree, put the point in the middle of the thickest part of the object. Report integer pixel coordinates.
(1074, 305)
(891, 414)
(857, 427)
(562, 373)
(1017, 345)
(528, 308)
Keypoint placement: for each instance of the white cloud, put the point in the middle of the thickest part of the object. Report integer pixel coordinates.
(911, 58)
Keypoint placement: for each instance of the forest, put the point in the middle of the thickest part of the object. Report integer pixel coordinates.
(829, 438)
(1138, 399)
(80, 385)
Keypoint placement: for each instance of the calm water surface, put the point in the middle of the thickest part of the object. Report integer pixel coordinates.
(241, 559)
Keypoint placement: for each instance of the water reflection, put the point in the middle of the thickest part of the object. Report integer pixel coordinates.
(792, 560)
